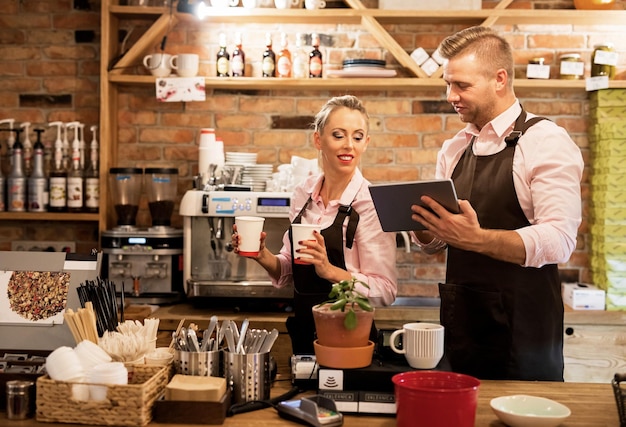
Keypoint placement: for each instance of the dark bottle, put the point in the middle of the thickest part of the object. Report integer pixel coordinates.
(92, 176)
(223, 58)
(238, 61)
(57, 183)
(315, 57)
(269, 58)
(16, 181)
(75, 176)
(37, 181)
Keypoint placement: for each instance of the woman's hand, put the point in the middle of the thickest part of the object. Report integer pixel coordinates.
(324, 269)
(235, 240)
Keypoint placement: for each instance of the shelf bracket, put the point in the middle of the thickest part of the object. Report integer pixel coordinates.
(156, 31)
(503, 4)
(388, 42)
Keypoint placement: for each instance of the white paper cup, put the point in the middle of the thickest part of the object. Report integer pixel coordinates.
(301, 233)
(249, 229)
(422, 344)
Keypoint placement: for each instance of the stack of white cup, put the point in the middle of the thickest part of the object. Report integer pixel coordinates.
(211, 151)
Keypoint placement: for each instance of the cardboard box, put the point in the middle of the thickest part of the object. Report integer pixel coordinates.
(430, 5)
(581, 296)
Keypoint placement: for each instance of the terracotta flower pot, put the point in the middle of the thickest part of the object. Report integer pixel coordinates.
(331, 331)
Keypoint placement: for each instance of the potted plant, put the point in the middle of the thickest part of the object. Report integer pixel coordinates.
(345, 319)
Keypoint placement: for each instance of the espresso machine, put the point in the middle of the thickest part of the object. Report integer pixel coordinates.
(211, 270)
(147, 262)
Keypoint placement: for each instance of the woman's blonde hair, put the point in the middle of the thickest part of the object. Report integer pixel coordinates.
(347, 101)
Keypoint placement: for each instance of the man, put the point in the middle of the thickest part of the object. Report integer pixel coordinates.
(518, 182)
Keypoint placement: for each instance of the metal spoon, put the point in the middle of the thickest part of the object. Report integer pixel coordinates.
(268, 342)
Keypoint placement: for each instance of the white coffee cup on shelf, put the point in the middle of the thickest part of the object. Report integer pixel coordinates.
(250, 4)
(224, 3)
(301, 233)
(285, 4)
(314, 4)
(422, 344)
(158, 64)
(185, 64)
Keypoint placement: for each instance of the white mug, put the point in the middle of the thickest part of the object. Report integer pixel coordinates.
(422, 344)
(250, 4)
(158, 64)
(314, 4)
(224, 3)
(285, 4)
(185, 64)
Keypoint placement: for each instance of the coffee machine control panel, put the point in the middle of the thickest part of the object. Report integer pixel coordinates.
(236, 203)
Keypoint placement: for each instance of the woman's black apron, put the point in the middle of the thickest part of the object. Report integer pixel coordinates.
(309, 288)
(502, 320)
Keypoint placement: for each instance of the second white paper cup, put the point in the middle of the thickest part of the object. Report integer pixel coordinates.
(302, 232)
(249, 229)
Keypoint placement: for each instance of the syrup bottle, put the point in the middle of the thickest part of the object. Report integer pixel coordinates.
(92, 175)
(269, 58)
(315, 57)
(300, 59)
(37, 181)
(238, 61)
(16, 181)
(58, 176)
(283, 63)
(223, 58)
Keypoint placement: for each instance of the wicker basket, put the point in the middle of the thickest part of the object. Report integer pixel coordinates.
(126, 405)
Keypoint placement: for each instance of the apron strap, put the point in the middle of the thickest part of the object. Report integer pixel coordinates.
(521, 126)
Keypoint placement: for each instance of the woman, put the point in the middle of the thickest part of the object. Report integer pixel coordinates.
(352, 243)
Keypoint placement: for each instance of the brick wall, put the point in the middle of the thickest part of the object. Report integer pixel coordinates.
(46, 51)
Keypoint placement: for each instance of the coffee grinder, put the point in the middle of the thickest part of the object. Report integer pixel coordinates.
(146, 262)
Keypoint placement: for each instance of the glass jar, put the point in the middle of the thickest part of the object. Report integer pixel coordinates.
(603, 60)
(571, 66)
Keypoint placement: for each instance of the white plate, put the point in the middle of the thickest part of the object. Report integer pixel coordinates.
(529, 411)
(362, 72)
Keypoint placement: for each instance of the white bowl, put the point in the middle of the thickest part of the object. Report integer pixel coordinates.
(529, 411)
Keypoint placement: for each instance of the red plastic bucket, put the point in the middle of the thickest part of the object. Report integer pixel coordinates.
(435, 399)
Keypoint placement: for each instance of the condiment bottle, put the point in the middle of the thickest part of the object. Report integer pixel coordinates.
(75, 175)
(238, 61)
(571, 66)
(92, 175)
(269, 58)
(27, 148)
(223, 58)
(37, 181)
(315, 57)
(16, 181)
(18, 399)
(300, 59)
(283, 63)
(58, 175)
(603, 60)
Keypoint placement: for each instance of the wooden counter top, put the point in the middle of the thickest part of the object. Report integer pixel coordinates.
(592, 405)
(392, 315)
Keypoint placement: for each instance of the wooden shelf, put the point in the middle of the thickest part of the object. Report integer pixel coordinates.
(387, 84)
(48, 216)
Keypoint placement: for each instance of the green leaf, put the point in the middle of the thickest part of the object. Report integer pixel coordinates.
(338, 305)
(350, 320)
(364, 304)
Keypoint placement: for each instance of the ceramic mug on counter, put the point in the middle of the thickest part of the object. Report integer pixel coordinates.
(185, 64)
(158, 64)
(422, 344)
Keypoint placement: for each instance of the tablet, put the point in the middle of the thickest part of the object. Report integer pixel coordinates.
(393, 201)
